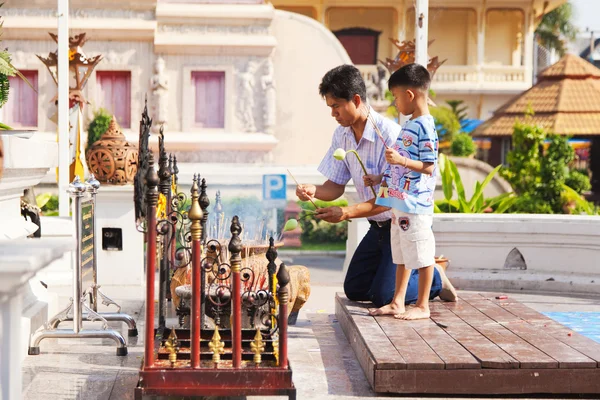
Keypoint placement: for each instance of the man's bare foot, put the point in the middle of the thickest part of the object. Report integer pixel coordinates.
(448, 292)
(388, 309)
(414, 313)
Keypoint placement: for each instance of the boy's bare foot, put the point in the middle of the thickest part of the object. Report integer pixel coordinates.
(414, 313)
(448, 292)
(388, 309)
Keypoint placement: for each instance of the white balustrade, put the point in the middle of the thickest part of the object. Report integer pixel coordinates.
(469, 77)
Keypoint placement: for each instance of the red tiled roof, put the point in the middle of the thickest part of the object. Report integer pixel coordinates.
(566, 101)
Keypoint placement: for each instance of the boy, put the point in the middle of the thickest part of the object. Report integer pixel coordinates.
(410, 180)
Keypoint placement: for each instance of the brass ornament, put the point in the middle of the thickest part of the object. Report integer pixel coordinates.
(112, 158)
(258, 347)
(195, 213)
(172, 346)
(216, 346)
(276, 350)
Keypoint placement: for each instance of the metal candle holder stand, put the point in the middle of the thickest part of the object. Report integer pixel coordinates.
(78, 190)
(199, 361)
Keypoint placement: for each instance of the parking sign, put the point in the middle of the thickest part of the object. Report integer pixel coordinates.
(274, 190)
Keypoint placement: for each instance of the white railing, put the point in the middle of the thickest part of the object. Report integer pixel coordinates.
(504, 74)
(457, 73)
(368, 72)
(468, 77)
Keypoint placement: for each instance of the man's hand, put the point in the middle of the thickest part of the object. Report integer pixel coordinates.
(333, 214)
(306, 192)
(371, 179)
(393, 157)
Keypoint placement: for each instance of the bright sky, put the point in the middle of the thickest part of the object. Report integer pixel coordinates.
(586, 14)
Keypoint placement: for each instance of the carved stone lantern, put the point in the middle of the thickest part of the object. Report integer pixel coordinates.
(113, 159)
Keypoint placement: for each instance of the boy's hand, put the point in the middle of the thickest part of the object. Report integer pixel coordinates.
(333, 214)
(371, 179)
(393, 157)
(306, 192)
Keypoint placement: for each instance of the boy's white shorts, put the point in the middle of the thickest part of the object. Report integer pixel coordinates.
(413, 243)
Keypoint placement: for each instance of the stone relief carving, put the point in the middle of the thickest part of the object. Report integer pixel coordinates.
(120, 57)
(21, 58)
(245, 96)
(79, 13)
(219, 29)
(270, 105)
(159, 84)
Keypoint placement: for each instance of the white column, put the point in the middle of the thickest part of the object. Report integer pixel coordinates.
(528, 47)
(12, 346)
(421, 27)
(481, 41)
(63, 107)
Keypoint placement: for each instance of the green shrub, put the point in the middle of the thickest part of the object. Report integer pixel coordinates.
(461, 204)
(98, 126)
(462, 145)
(542, 180)
(578, 181)
(48, 203)
(318, 231)
(446, 121)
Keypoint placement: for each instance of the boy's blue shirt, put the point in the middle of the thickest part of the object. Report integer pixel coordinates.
(409, 191)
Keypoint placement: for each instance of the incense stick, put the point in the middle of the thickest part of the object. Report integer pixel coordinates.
(370, 118)
(298, 184)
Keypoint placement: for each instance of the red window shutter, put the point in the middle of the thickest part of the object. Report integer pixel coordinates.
(115, 94)
(21, 110)
(209, 109)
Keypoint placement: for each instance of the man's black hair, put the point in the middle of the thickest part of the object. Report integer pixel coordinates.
(343, 82)
(412, 76)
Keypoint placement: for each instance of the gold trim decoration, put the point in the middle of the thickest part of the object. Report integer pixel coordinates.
(276, 350)
(172, 346)
(195, 214)
(257, 346)
(216, 346)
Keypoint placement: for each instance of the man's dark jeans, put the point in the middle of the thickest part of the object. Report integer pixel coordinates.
(371, 274)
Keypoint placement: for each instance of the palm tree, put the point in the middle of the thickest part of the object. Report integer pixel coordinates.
(556, 28)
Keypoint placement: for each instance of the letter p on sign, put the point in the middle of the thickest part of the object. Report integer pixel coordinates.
(274, 189)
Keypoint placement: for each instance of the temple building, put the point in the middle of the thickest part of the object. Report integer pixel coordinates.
(235, 83)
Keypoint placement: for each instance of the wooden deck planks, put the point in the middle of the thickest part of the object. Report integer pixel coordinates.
(485, 382)
(413, 349)
(526, 354)
(447, 349)
(483, 346)
(584, 345)
(373, 339)
(566, 356)
(485, 351)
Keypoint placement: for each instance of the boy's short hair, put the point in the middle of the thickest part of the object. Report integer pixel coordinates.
(343, 82)
(411, 75)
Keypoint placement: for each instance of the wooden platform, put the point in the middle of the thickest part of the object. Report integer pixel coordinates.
(479, 345)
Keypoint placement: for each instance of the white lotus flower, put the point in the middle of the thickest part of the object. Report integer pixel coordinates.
(290, 225)
(339, 154)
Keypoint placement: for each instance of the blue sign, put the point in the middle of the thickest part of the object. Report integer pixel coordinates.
(274, 188)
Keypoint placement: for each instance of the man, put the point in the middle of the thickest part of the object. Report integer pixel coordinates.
(371, 273)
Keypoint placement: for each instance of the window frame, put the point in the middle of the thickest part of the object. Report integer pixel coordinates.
(104, 71)
(39, 115)
(188, 102)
